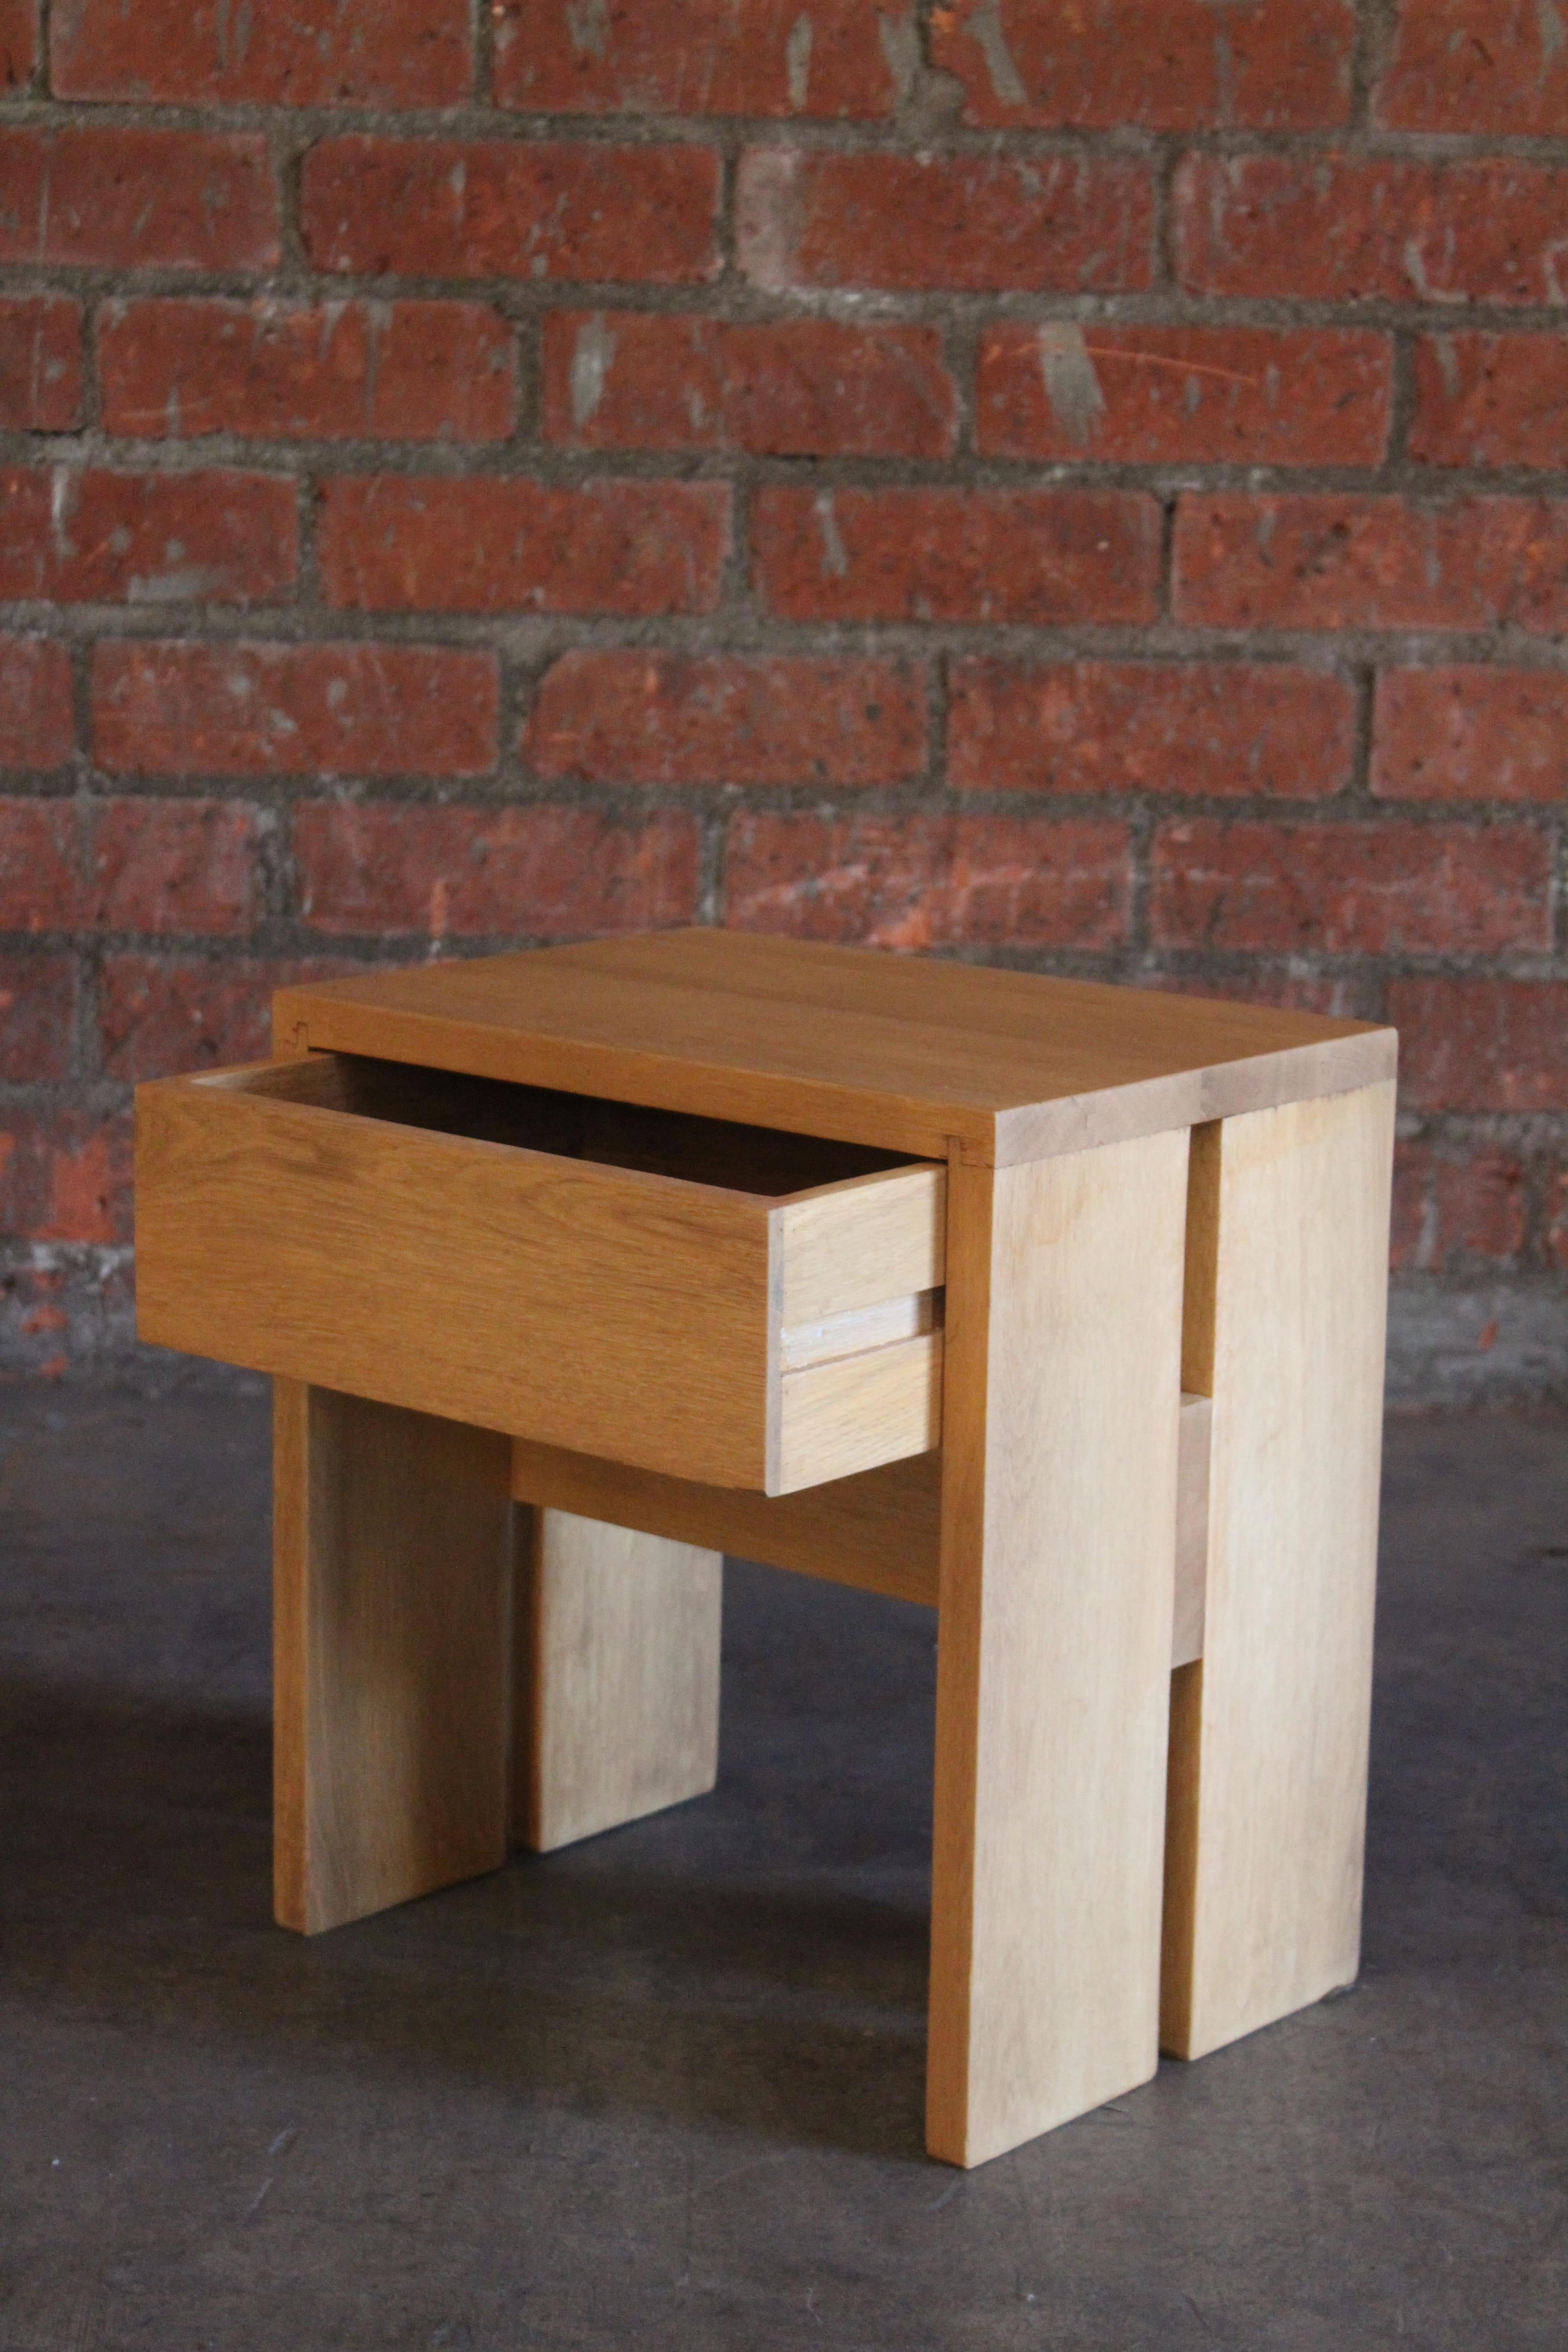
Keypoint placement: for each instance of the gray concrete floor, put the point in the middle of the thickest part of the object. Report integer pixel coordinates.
(664, 2090)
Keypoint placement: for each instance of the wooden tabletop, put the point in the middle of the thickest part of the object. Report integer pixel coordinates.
(909, 1054)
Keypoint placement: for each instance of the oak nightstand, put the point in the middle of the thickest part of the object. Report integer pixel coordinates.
(1059, 1306)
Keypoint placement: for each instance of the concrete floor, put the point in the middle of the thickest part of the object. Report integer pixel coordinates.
(664, 2090)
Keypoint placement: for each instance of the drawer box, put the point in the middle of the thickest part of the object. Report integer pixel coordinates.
(728, 1304)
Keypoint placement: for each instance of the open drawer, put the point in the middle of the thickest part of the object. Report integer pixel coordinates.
(721, 1303)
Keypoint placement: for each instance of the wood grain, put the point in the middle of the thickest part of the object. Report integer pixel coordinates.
(340, 1222)
(393, 1540)
(850, 1245)
(863, 1327)
(879, 1531)
(1191, 1529)
(617, 1677)
(1064, 1315)
(846, 1415)
(1268, 1743)
(896, 1052)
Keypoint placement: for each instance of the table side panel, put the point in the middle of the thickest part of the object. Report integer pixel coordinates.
(1060, 1447)
(1269, 1748)
(617, 1682)
(393, 1537)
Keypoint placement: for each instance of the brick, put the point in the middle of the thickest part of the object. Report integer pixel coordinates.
(66, 1177)
(1356, 889)
(393, 544)
(37, 728)
(40, 866)
(1182, 396)
(1491, 400)
(1362, 228)
(131, 199)
(283, 370)
(1049, 557)
(310, 53)
(1053, 224)
(1470, 732)
(1557, 1220)
(801, 387)
(1475, 67)
(928, 881)
(1482, 1043)
(40, 364)
(174, 709)
(836, 58)
(38, 1017)
(492, 209)
(87, 536)
(159, 1014)
(1278, 65)
(628, 718)
(1342, 560)
(1134, 727)
(53, 1315)
(182, 866)
(19, 43)
(1336, 995)
(516, 872)
(1452, 1214)
(90, 1189)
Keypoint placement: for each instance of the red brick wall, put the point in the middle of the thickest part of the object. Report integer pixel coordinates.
(1082, 486)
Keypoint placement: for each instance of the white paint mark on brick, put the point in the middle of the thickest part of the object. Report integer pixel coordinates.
(1550, 259)
(835, 555)
(588, 22)
(1549, 18)
(61, 499)
(1072, 387)
(797, 62)
(767, 217)
(984, 28)
(901, 48)
(1447, 363)
(591, 357)
(1415, 260)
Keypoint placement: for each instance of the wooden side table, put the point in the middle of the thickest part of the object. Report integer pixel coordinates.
(1056, 1305)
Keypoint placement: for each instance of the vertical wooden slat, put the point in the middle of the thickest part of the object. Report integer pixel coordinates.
(1287, 1298)
(1060, 1413)
(391, 1580)
(617, 1677)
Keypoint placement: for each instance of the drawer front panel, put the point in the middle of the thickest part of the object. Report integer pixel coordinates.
(483, 1254)
(586, 1306)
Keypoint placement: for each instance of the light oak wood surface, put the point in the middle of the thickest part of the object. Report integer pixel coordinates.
(876, 1531)
(392, 1595)
(387, 1232)
(1192, 1528)
(1064, 1317)
(617, 1677)
(879, 1531)
(898, 1051)
(1268, 1740)
(851, 1246)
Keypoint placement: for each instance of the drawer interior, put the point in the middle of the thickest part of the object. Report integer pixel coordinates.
(760, 1160)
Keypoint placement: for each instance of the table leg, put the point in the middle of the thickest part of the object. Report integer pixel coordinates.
(1286, 1301)
(617, 1710)
(391, 1580)
(1061, 1397)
